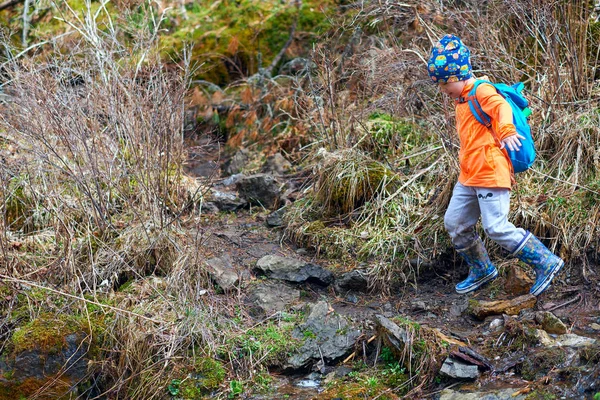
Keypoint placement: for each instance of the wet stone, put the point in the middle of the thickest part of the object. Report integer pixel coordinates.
(275, 219)
(261, 190)
(354, 280)
(550, 323)
(459, 370)
(270, 297)
(293, 270)
(503, 394)
(327, 337)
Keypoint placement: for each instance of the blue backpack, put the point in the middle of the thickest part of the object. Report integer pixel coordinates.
(522, 159)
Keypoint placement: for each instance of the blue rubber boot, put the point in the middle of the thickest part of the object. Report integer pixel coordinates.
(481, 269)
(545, 264)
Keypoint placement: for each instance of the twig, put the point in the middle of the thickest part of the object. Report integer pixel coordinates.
(9, 3)
(574, 299)
(351, 356)
(29, 283)
(577, 186)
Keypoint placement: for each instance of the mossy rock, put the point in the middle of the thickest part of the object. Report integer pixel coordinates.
(50, 355)
(47, 333)
(537, 365)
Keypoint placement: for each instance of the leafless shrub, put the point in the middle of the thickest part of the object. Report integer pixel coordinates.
(95, 194)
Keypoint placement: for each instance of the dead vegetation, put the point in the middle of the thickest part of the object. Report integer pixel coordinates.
(94, 199)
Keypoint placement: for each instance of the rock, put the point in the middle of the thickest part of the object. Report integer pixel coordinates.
(572, 340)
(393, 335)
(517, 281)
(550, 323)
(496, 324)
(503, 394)
(58, 359)
(275, 219)
(276, 165)
(418, 305)
(208, 207)
(459, 370)
(543, 338)
(327, 336)
(236, 163)
(353, 280)
(352, 298)
(293, 270)
(260, 190)
(270, 297)
(482, 309)
(232, 180)
(222, 272)
(567, 340)
(595, 326)
(207, 170)
(226, 201)
(459, 306)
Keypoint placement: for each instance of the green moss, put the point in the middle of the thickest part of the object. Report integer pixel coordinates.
(210, 373)
(270, 343)
(47, 333)
(541, 395)
(539, 364)
(407, 322)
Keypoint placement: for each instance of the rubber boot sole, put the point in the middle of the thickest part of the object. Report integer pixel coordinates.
(476, 285)
(546, 283)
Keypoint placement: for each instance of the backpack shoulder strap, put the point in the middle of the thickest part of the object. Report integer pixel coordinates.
(475, 107)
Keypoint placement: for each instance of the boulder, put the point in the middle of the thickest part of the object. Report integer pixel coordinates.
(457, 369)
(293, 270)
(222, 272)
(271, 297)
(550, 323)
(260, 190)
(226, 201)
(517, 281)
(354, 280)
(49, 352)
(327, 337)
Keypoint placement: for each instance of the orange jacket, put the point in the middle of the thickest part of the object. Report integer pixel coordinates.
(482, 163)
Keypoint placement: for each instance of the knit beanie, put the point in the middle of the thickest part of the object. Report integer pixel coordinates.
(449, 61)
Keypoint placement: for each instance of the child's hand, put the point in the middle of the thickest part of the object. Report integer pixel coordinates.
(512, 142)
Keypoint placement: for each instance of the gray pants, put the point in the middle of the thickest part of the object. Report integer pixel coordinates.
(492, 204)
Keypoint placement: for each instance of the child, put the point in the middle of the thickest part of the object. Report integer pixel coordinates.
(484, 183)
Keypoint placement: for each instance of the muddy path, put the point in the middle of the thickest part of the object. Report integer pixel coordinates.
(246, 235)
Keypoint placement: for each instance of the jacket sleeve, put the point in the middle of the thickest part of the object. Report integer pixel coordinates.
(498, 109)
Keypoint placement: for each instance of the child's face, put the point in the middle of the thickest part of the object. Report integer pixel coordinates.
(452, 89)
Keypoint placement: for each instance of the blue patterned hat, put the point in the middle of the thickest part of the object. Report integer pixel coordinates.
(449, 61)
